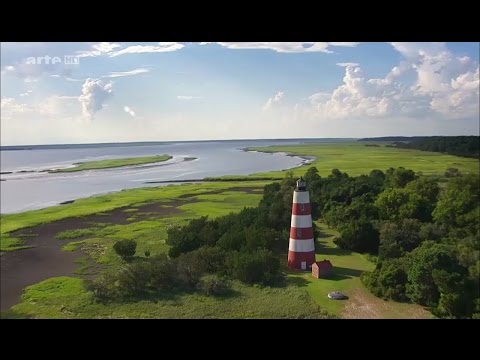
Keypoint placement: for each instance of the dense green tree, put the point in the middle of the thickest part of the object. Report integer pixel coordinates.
(211, 259)
(399, 178)
(396, 203)
(390, 202)
(125, 249)
(261, 266)
(260, 238)
(458, 203)
(392, 279)
(358, 236)
(432, 231)
(425, 187)
(199, 232)
(434, 271)
(232, 240)
(404, 233)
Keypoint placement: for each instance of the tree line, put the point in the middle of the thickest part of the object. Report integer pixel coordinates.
(465, 146)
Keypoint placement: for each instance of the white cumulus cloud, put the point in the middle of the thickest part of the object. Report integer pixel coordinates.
(285, 47)
(274, 100)
(26, 93)
(115, 74)
(99, 49)
(444, 87)
(114, 49)
(187, 97)
(95, 93)
(129, 111)
(139, 49)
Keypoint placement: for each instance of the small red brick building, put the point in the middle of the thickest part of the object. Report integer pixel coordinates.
(321, 269)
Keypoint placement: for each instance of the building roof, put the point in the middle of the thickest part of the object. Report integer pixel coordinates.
(324, 264)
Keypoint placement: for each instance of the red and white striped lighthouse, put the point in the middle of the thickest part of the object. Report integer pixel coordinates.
(301, 250)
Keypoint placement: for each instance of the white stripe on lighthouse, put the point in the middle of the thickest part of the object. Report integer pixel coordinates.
(301, 245)
(301, 221)
(301, 197)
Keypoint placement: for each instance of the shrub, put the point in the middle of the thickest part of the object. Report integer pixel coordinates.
(213, 285)
(125, 249)
(103, 287)
(261, 267)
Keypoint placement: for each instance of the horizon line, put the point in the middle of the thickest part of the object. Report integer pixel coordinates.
(243, 139)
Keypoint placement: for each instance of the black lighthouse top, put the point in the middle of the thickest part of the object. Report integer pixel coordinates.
(301, 185)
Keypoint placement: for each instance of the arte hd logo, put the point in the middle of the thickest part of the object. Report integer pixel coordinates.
(53, 60)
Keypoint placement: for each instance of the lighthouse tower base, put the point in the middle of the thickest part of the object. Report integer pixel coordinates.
(300, 260)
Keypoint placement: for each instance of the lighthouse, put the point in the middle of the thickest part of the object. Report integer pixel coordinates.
(301, 249)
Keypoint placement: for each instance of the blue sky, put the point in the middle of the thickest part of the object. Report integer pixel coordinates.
(189, 91)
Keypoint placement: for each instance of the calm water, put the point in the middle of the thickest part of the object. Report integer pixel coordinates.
(34, 190)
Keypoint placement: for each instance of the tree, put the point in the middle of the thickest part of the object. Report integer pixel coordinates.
(458, 202)
(358, 236)
(199, 232)
(397, 203)
(260, 237)
(392, 280)
(125, 249)
(399, 178)
(261, 267)
(399, 237)
(434, 271)
(232, 240)
(425, 187)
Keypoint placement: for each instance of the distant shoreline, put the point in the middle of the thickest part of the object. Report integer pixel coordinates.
(151, 143)
(308, 159)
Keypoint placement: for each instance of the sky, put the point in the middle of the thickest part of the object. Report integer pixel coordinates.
(166, 91)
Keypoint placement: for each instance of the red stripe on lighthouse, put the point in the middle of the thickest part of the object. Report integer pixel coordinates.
(295, 259)
(301, 209)
(301, 233)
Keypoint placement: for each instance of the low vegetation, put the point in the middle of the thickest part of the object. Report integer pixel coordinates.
(113, 163)
(358, 159)
(66, 297)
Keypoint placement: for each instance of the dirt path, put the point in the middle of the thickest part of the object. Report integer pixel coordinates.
(363, 305)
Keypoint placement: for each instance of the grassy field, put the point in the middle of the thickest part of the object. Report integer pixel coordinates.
(127, 198)
(357, 159)
(113, 163)
(65, 297)
(346, 278)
